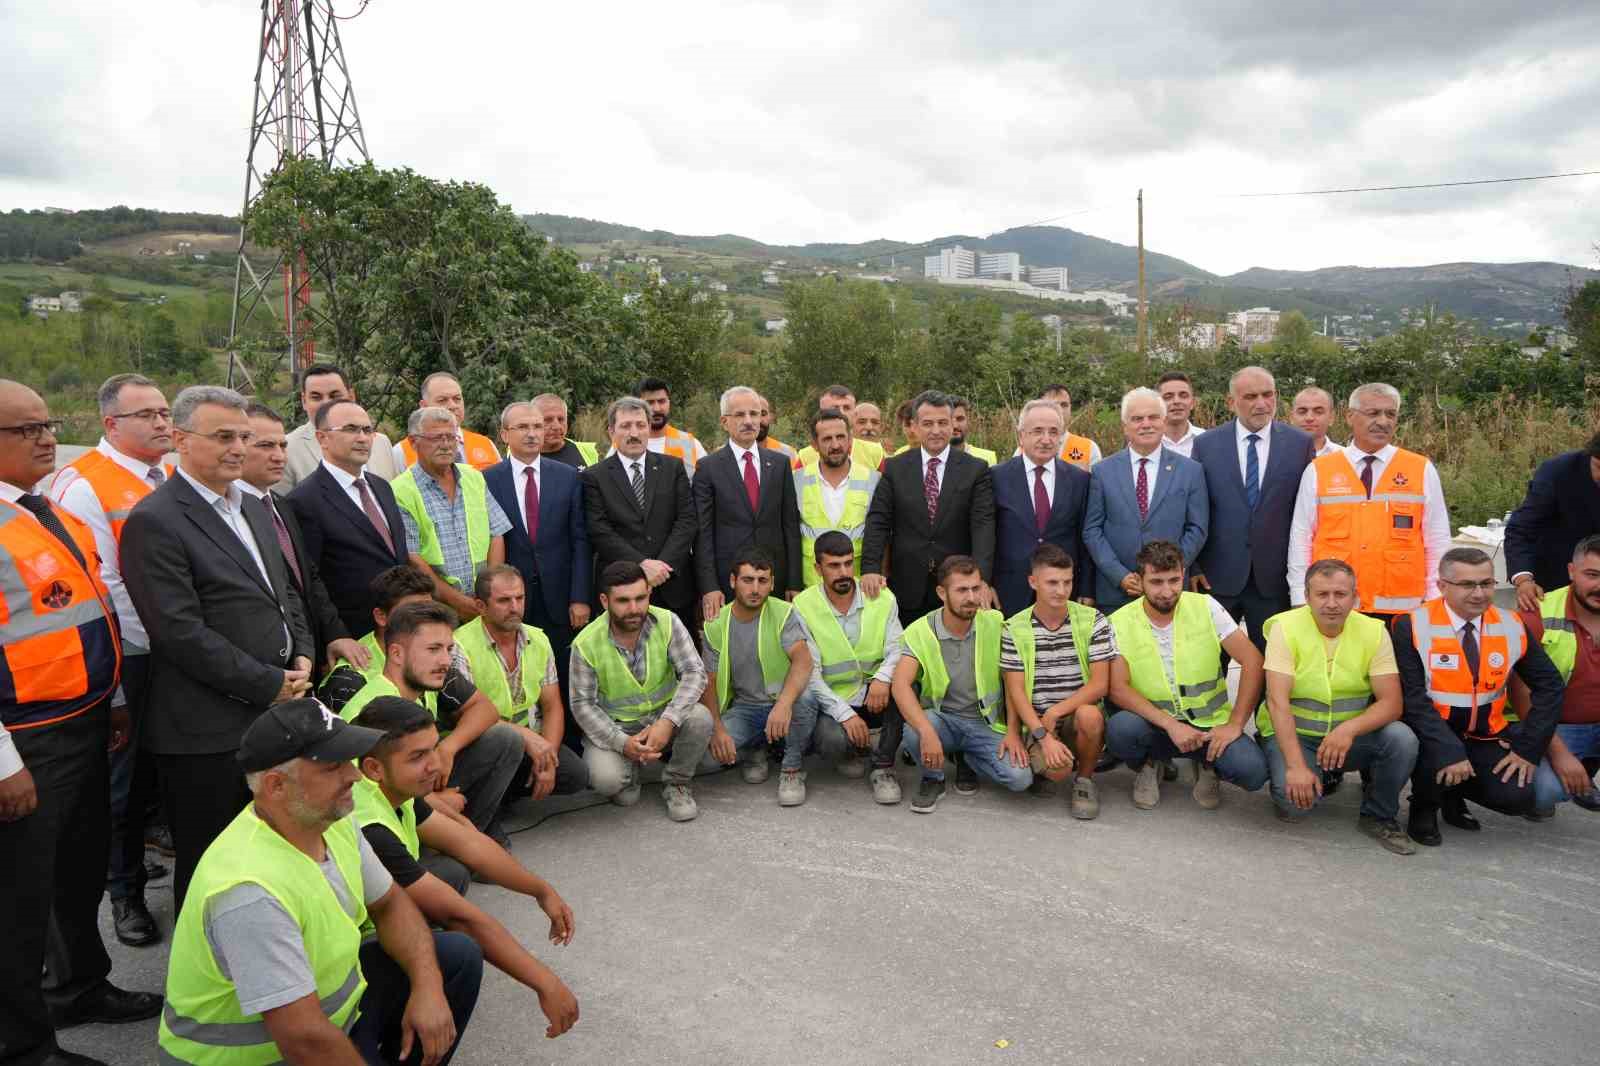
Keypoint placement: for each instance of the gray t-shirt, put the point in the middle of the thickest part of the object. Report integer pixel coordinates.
(746, 682)
(259, 947)
(961, 696)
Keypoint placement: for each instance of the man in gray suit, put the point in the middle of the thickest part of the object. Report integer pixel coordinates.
(1144, 492)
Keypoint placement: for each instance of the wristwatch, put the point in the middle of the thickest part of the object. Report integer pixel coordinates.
(1039, 734)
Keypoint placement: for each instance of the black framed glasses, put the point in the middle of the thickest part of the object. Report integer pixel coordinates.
(31, 430)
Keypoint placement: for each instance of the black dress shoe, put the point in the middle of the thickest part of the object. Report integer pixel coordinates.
(155, 871)
(1456, 814)
(1589, 801)
(133, 922)
(1331, 780)
(1424, 829)
(63, 1057)
(158, 838)
(107, 1004)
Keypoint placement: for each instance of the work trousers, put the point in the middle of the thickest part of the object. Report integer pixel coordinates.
(610, 771)
(830, 739)
(133, 787)
(377, 1033)
(484, 769)
(1386, 755)
(200, 796)
(981, 745)
(1484, 787)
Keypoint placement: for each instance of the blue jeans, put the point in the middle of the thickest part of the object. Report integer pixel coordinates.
(1584, 742)
(1135, 741)
(1389, 754)
(377, 1033)
(981, 745)
(746, 722)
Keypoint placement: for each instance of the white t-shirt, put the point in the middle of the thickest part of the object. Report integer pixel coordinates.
(1220, 620)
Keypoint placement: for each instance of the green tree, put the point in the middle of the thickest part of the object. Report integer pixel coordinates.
(963, 335)
(838, 331)
(681, 332)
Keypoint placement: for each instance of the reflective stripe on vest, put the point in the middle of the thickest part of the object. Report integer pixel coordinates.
(769, 648)
(1381, 538)
(586, 450)
(924, 645)
(472, 492)
(1501, 642)
(859, 486)
(1020, 625)
(844, 666)
(1320, 699)
(1201, 698)
(1079, 451)
(1560, 639)
(489, 669)
(59, 649)
(201, 1022)
(115, 487)
(675, 441)
(619, 693)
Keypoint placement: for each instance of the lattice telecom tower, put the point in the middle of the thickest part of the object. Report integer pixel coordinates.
(305, 105)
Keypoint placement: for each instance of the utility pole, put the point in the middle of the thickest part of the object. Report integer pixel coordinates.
(1144, 355)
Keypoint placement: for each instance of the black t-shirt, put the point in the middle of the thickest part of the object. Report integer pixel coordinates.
(391, 850)
(345, 681)
(568, 454)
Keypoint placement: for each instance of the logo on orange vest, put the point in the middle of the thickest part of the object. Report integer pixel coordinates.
(130, 497)
(1444, 660)
(57, 596)
(1496, 660)
(44, 566)
(1401, 480)
(1338, 482)
(1076, 454)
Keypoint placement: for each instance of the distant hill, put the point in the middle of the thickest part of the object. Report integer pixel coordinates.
(60, 235)
(1514, 291)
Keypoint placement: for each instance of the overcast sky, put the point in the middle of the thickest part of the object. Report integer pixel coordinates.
(849, 121)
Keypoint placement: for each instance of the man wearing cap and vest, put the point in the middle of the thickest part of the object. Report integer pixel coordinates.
(636, 681)
(758, 671)
(1566, 624)
(868, 453)
(1171, 685)
(268, 962)
(454, 526)
(855, 643)
(396, 820)
(952, 657)
(664, 437)
(100, 488)
(1375, 506)
(1332, 684)
(513, 666)
(1055, 663)
(441, 389)
(834, 491)
(59, 656)
(1457, 655)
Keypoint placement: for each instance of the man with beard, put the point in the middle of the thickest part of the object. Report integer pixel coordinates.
(556, 444)
(834, 490)
(268, 962)
(855, 643)
(764, 435)
(960, 412)
(666, 438)
(866, 452)
(866, 423)
(479, 753)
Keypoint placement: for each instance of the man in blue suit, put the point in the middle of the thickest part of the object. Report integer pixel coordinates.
(1561, 508)
(548, 541)
(1144, 492)
(1253, 466)
(1038, 499)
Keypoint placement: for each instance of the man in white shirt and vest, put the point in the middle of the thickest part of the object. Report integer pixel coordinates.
(833, 490)
(1312, 412)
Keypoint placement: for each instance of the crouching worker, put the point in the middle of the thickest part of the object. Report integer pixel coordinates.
(268, 962)
(393, 812)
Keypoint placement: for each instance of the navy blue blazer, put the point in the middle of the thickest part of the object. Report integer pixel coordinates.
(1561, 508)
(561, 557)
(1112, 531)
(1017, 534)
(1252, 542)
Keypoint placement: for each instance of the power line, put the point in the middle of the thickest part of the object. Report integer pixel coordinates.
(1405, 188)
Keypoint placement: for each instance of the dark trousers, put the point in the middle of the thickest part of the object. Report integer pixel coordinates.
(1253, 609)
(1484, 787)
(910, 612)
(572, 775)
(446, 869)
(891, 730)
(133, 787)
(200, 795)
(52, 872)
(559, 632)
(377, 1034)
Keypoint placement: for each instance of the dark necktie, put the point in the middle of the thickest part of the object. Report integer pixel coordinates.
(1252, 472)
(530, 504)
(375, 516)
(1366, 472)
(637, 481)
(156, 476)
(1041, 502)
(930, 488)
(752, 486)
(40, 508)
(1469, 649)
(1141, 491)
(284, 543)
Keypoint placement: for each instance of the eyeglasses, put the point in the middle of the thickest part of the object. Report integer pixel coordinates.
(437, 438)
(1042, 431)
(1471, 586)
(226, 437)
(148, 414)
(31, 430)
(356, 431)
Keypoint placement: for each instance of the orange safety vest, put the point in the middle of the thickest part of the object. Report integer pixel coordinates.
(682, 444)
(778, 446)
(1077, 450)
(114, 485)
(60, 653)
(479, 450)
(1473, 710)
(1381, 537)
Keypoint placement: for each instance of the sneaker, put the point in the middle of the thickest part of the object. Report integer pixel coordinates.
(791, 788)
(756, 767)
(927, 797)
(966, 776)
(852, 766)
(885, 786)
(1387, 832)
(1085, 799)
(1207, 791)
(628, 796)
(1147, 787)
(681, 806)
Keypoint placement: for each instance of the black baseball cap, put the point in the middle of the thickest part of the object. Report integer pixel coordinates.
(302, 729)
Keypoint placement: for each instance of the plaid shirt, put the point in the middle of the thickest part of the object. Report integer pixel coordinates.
(584, 687)
(449, 518)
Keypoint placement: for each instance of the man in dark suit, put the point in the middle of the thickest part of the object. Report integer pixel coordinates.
(548, 541)
(931, 502)
(1561, 508)
(1038, 499)
(228, 636)
(640, 510)
(1143, 493)
(350, 522)
(1253, 466)
(743, 495)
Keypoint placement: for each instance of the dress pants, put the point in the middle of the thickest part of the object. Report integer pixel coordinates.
(133, 786)
(52, 872)
(1252, 608)
(1484, 787)
(200, 795)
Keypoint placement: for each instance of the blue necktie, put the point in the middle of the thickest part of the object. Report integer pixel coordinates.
(1252, 472)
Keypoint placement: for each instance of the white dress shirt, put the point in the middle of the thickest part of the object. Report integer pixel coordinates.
(230, 509)
(1303, 530)
(1150, 470)
(519, 482)
(1184, 445)
(738, 459)
(1263, 445)
(1049, 479)
(629, 465)
(944, 463)
(833, 499)
(347, 482)
(1329, 446)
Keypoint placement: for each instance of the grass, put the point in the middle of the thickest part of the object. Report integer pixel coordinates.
(55, 279)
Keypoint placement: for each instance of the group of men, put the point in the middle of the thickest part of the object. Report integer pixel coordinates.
(477, 629)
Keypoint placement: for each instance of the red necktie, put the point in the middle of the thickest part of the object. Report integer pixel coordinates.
(1141, 490)
(284, 543)
(375, 516)
(752, 487)
(530, 503)
(1041, 501)
(930, 488)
